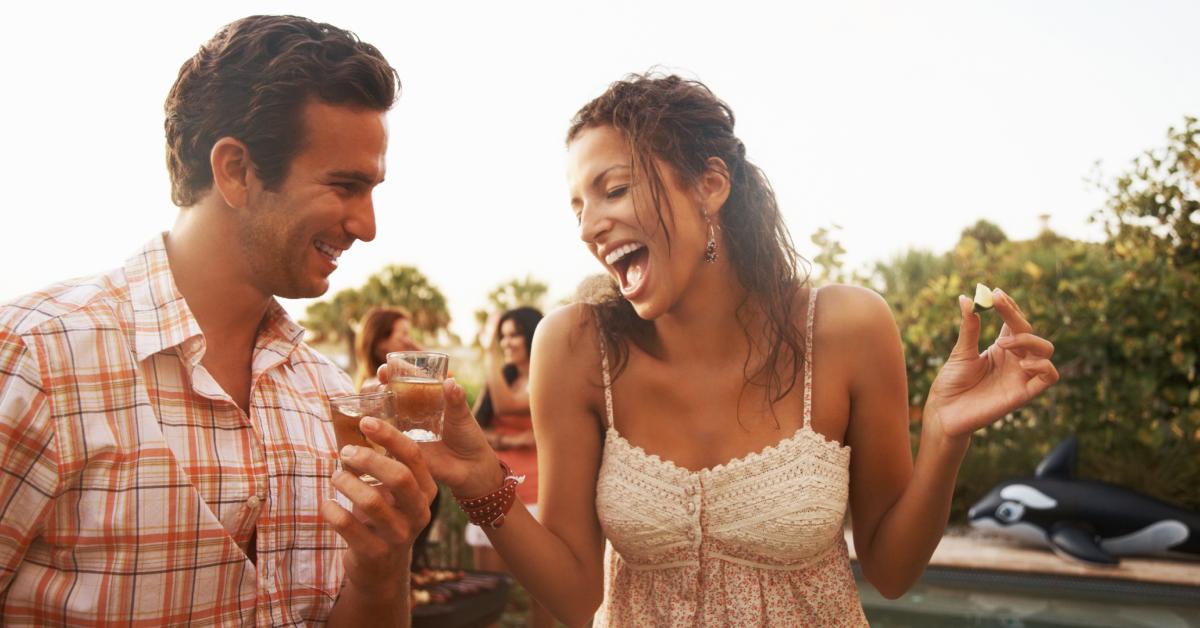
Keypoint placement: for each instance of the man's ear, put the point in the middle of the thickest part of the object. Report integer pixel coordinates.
(232, 171)
(714, 186)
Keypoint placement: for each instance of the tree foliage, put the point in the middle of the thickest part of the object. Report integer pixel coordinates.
(337, 319)
(1124, 316)
(986, 233)
(513, 293)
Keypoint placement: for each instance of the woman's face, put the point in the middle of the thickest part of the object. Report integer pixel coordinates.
(512, 343)
(399, 340)
(626, 236)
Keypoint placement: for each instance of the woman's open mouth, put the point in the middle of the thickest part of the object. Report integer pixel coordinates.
(630, 261)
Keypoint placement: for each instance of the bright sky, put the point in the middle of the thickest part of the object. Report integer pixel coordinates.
(900, 122)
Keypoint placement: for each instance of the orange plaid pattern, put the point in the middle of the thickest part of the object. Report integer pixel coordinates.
(131, 484)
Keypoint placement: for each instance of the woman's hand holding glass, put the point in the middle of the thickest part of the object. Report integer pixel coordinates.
(462, 460)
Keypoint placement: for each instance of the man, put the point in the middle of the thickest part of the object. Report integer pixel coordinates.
(165, 444)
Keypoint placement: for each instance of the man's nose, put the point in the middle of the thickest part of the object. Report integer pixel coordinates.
(361, 223)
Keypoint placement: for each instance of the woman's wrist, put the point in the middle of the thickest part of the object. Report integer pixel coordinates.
(944, 446)
(487, 478)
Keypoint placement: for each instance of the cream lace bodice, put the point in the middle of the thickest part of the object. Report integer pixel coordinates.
(756, 541)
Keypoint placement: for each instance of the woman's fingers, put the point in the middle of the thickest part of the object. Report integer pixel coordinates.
(1042, 375)
(382, 373)
(968, 331)
(1026, 345)
(1011, 313)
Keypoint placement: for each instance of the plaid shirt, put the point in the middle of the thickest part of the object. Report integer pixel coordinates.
(131, 483)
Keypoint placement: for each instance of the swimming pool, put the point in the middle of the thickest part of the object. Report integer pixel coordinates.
(947, 597)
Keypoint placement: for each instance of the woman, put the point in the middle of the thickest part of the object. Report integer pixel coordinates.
(503, 411)
(702, 422)
(384, 329)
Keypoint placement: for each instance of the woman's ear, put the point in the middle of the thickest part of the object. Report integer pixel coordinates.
(232, 170)
(714, 186)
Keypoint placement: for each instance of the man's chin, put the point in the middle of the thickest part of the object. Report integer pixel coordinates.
(304, 289)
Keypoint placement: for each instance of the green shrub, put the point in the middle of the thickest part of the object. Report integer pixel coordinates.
(1124, 316)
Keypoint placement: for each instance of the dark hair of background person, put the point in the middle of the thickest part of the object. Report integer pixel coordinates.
(526, 320)
(251, 82)
(682, 123)
(377, 325)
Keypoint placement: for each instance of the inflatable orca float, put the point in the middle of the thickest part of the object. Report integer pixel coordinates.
(1085, 520)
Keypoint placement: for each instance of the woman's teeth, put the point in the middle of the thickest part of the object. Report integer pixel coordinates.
(616, 254)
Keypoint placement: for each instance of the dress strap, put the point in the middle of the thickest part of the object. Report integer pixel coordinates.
(808, 352)
(608, 405)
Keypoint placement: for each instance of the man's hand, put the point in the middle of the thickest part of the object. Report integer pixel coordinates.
(386, 520)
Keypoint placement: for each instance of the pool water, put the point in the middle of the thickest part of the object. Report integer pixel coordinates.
(962, 598)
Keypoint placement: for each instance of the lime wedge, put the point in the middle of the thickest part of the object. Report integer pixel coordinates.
(983, 298)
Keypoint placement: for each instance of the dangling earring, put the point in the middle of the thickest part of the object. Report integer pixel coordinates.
(710, 248)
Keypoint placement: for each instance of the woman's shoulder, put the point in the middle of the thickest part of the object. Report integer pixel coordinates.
(568, 330)
(845, 311)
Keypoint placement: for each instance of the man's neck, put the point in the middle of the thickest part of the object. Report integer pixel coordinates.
(228, 308)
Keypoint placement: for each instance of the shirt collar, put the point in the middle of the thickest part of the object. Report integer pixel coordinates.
(163, 320)
(161, 316)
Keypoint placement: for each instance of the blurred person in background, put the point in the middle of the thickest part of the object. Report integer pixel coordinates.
(502, 409)
(384, 330)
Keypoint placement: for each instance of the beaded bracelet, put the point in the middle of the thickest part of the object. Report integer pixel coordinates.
(491, 509)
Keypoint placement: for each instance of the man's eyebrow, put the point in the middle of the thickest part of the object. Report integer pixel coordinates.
(356, 175)
(604, 173)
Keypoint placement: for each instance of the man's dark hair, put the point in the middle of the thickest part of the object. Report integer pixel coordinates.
(251, 82)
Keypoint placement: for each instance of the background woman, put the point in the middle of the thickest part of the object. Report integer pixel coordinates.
(503, 411)
(384, 329)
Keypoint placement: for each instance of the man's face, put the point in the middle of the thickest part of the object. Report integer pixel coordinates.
(292, 236)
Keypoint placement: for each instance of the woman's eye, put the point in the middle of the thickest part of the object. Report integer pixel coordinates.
(617, 192)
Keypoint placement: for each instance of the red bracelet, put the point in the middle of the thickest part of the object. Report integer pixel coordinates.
(490, 509)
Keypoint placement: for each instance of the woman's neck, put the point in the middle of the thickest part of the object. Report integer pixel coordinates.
(704, 324)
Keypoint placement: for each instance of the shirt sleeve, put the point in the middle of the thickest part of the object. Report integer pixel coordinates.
(28, 456)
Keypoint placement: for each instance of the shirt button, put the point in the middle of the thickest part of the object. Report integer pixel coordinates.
(691, 490)
(691, 535)
(253, 502)
(691, 508)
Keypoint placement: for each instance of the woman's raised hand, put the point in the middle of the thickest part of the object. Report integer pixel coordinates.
(974, 389)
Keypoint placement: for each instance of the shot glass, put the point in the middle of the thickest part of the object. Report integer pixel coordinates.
(348, 410)
(415, 380)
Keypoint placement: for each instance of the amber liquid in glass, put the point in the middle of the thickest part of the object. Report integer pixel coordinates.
(419, 406)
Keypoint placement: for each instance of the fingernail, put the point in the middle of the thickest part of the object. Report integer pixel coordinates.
(348, 451)
(369, 423)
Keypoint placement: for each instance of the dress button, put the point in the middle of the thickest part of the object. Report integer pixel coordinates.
(691, 508)
(691, 490)
(253, 502)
